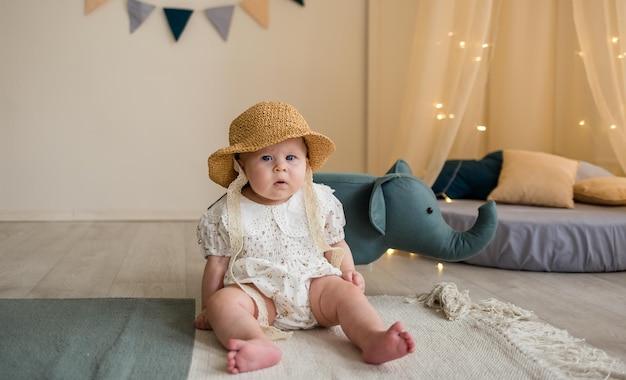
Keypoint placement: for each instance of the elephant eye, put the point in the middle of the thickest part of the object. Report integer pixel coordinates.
(429, 210)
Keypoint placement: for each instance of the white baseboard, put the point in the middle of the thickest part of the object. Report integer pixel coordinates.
(99, 215)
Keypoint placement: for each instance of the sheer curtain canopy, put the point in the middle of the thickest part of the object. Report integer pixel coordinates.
(602, 36)
(485, 75)
(449, 61)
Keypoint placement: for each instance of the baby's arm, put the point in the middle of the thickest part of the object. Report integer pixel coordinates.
(212, 281)
(347, 265)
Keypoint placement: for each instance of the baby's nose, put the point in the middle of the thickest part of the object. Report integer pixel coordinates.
(280, 167)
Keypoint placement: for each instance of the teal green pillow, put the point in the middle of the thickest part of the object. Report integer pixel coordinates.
(469, 179)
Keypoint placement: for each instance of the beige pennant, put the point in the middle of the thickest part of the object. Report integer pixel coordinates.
(259, 10)
(90, 5)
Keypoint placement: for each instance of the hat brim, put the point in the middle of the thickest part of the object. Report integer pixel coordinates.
(220, 163)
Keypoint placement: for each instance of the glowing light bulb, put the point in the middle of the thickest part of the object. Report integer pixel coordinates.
(438, 105)
(478, 59)
(581, 123)
(441, 116)
(462, 44)
(613, 126)
(439, 267)
(481, 128)
(390, 251)
(485, 45)
(614, 40)
(451, 116)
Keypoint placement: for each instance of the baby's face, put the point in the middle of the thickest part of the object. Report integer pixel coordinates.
(276, 172)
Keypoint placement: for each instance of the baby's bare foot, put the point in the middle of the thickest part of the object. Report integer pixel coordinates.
(250, 355)
(389, 345)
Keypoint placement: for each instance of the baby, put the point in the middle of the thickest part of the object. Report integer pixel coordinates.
(275, 249)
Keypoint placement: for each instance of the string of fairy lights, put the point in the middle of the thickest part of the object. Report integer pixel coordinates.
(440, 115)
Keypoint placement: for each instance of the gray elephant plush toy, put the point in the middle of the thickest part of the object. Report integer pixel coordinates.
(400, 211)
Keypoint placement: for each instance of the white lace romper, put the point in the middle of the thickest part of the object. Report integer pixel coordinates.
(279, 255)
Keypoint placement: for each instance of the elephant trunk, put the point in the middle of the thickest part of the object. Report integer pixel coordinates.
(466, 244)
(436, 239)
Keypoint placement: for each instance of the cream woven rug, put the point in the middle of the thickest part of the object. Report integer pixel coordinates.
(455, 339)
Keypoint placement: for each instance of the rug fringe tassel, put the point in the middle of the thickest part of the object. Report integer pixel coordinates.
(542, 341)
(571, 355)
(447, 297)
(503, 312)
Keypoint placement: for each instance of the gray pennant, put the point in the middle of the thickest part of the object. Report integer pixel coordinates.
(221, 18)
(138, 12)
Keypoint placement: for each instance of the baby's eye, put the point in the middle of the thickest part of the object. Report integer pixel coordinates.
(291, 157)
(266, 158)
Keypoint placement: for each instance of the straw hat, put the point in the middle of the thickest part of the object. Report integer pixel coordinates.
(260, 126)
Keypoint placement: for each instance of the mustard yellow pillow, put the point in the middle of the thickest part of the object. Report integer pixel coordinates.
(535, 178)
(610, 191)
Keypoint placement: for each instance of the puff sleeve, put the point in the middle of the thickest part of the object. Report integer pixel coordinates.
(332, 209)
(212, 233)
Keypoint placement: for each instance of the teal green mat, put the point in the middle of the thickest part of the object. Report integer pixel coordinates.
(96, 338)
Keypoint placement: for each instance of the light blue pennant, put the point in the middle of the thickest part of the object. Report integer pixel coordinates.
(221, 18)
(138, 12)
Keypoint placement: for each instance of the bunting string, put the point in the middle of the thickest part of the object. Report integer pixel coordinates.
(220, 17)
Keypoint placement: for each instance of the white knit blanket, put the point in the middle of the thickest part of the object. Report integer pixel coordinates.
(455, 339)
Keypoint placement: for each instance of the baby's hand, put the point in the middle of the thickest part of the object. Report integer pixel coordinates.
(354, 277)
(202, 322)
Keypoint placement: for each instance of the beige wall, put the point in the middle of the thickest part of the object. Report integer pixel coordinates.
(96, 123)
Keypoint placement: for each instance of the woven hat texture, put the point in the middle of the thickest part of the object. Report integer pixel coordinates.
(260, 126)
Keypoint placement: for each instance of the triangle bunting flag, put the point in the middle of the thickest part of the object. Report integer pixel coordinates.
(138, 12)
(259, 10)
(177, 18)
(90, 5)
(221, 18)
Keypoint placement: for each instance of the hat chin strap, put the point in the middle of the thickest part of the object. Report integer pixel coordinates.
(316, 223)
(233, 202)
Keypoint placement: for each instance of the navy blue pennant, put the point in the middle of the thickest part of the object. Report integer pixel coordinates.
(177, 18)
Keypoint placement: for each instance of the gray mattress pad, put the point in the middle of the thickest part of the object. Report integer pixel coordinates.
(588, 238)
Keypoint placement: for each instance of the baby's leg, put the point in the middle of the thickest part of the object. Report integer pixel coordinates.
(232, 315)
(335, 301)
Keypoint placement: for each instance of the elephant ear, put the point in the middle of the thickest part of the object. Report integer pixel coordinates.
(400, 166)
(378, 208)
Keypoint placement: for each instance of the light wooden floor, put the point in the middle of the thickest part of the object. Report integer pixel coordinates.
(162, 259)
